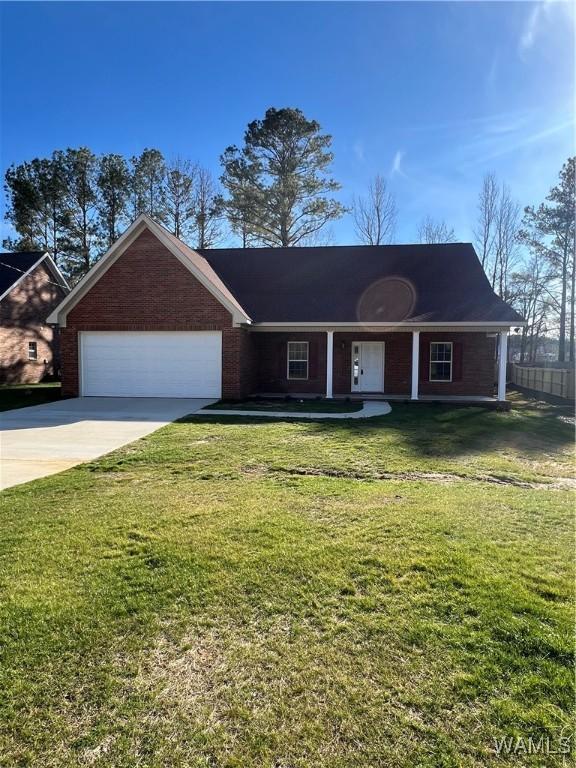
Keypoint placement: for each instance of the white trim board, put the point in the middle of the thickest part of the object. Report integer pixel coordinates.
(143, 222)
(488, 327)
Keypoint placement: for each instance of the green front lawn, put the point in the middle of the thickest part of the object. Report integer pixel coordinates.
(23, 395)
(292, 405)
(232, 592)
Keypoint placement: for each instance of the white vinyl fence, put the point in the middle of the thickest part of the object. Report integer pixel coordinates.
(551, 381)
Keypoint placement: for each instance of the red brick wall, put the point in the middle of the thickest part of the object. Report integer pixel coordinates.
(23, 314)
(148, 289)
(476, 375)
(397, 361)
(477, 363)
(271, 363)
(249, 362)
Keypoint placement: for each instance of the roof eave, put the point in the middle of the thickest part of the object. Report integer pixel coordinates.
(392, 324)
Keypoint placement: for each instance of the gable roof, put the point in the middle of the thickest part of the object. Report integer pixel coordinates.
(390, 284)
(192, 260)
(15, 266)
(205, 267)
(362, 284)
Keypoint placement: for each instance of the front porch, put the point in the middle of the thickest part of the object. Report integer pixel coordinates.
(420, 365)
(359, 397)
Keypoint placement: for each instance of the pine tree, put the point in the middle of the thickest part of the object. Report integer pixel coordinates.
(81, 229)
(147, 188)
(284, 169)
(551, 229)
(179, 198)
(113, 194)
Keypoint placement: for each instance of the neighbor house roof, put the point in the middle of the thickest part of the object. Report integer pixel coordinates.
(13, 267)
(388, 283)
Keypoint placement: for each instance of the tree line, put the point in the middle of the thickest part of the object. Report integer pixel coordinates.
(277, 189)
(75, 203)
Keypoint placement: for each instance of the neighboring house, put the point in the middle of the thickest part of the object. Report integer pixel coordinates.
(155, 318)
(31, 286)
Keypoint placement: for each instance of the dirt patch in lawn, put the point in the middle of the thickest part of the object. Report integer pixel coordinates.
(560, 483)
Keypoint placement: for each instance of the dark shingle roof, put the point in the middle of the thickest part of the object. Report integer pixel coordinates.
(390, 283)
(13, 265)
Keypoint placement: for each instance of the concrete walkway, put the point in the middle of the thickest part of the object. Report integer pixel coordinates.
(45, 439)
(369, 409)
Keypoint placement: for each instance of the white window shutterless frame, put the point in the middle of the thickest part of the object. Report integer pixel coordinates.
(441, 361)
(298, 360)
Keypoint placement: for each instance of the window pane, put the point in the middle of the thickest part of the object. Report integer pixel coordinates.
(298, 369)
(32, 350)
(297, 360)
(440, 352)
(297, 350)
(440, 371)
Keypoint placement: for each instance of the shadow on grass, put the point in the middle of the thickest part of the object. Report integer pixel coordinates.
(531, 427)
(13, 396)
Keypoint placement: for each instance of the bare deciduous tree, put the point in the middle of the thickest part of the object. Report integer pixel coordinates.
(487, 210)
(531, 296)
(505, 247)
(431, 231)
(496, 233)
(375, 214)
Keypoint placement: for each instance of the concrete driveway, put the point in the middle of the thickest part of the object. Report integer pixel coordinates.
(45, 439)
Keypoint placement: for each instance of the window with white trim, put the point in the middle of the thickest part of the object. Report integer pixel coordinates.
(441, 361)
(297, 359)
(32, 350)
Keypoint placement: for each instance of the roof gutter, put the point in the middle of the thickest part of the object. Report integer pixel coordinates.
(414, 325)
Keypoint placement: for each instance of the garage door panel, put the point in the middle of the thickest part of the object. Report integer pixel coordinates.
(151, 364)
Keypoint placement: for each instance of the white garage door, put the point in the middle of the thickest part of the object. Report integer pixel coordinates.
(151, 363)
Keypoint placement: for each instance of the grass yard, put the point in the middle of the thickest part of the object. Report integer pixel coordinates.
(23, 395)
(394, 592)
(292, 405)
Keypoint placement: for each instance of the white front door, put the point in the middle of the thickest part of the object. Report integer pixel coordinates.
(367, 366)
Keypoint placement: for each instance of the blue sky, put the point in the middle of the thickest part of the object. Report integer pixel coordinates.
(433, 95)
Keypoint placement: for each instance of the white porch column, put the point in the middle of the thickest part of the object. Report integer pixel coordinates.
(329, 361)
(502, 360)
(415, 364)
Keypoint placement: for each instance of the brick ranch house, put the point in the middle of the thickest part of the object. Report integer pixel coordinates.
(154, 318)
(31, 286)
